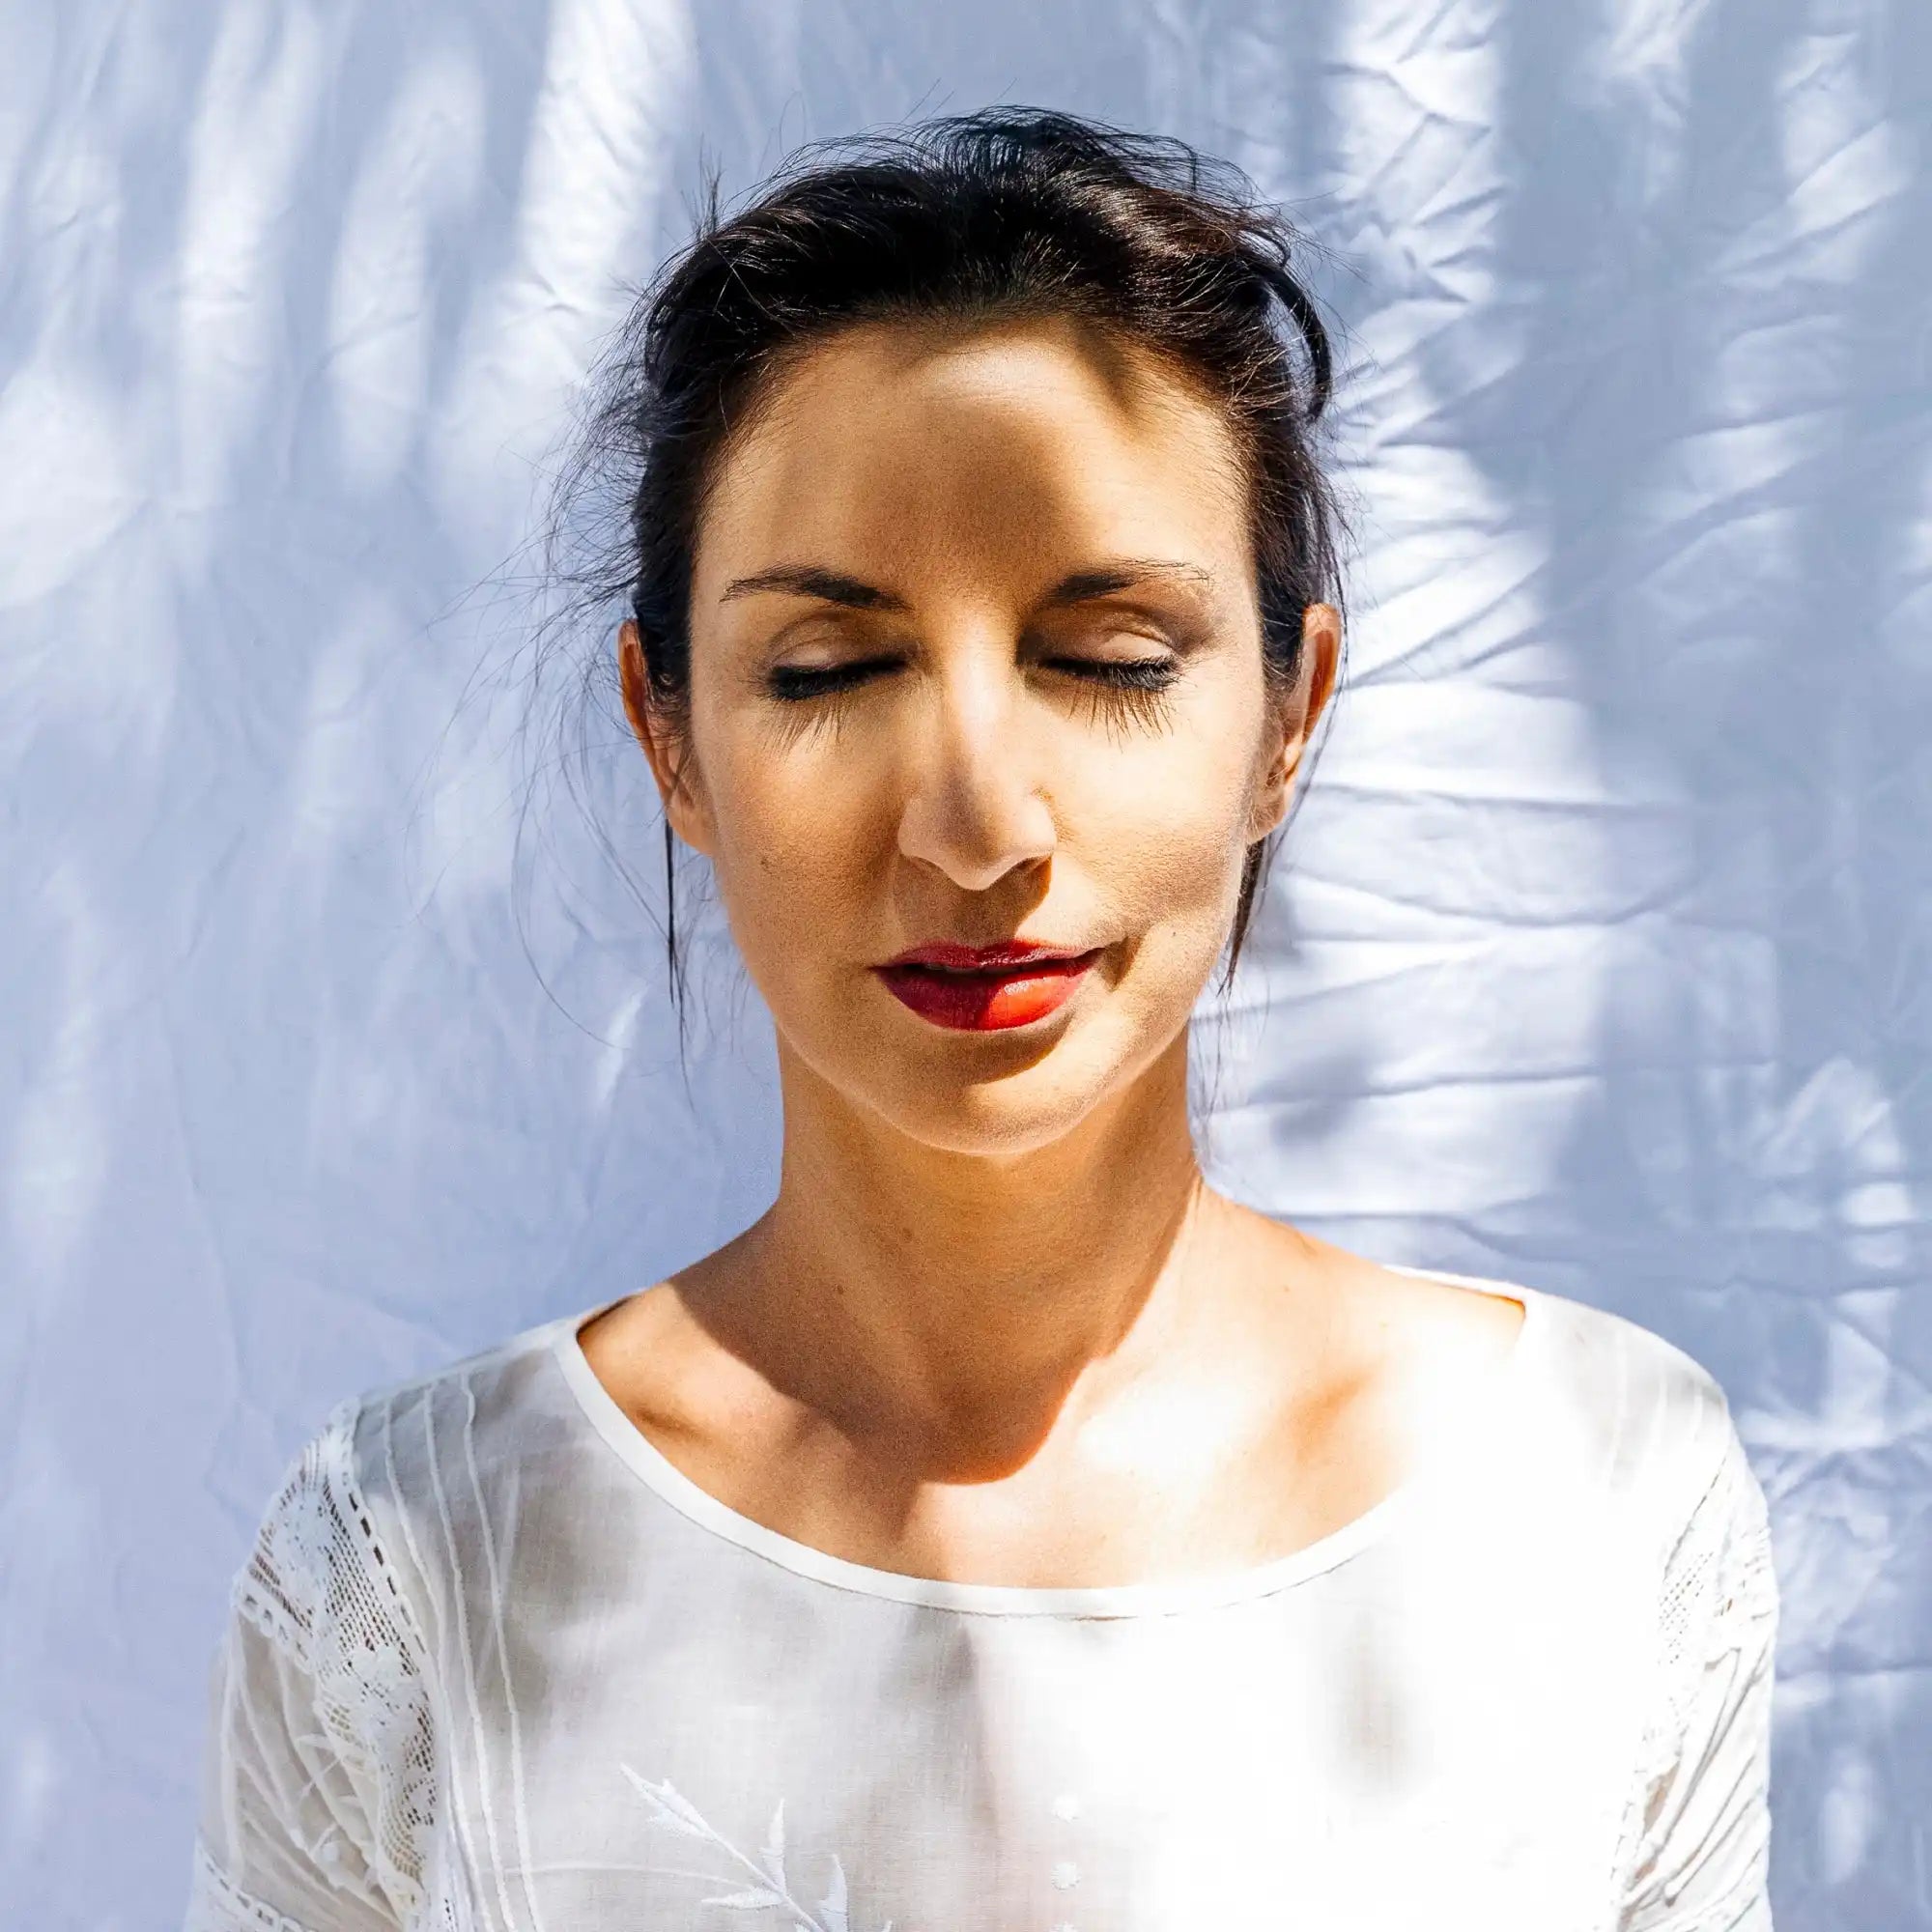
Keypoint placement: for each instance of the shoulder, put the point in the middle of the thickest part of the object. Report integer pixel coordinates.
(413, 1440)
(1628, 1412)
(371, 1497)
(1647, 1431)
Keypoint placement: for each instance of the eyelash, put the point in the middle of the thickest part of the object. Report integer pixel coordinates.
(1136, 680)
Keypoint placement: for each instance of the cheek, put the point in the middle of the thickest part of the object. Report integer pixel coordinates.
(795, 827)
(1161, 821)
(1171, 883)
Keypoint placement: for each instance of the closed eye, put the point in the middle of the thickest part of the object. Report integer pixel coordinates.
(1123, 673)
(795, 683)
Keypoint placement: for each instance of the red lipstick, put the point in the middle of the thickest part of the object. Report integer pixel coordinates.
(983, 988)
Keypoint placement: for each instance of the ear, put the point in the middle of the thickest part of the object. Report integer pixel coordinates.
(1296, 715)
(665, 746)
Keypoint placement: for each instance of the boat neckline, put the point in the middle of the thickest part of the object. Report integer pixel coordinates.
(1152, 1598)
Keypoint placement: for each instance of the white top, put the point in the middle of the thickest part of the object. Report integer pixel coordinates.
(495, 1665)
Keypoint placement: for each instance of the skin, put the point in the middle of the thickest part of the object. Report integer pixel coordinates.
(995, 1326)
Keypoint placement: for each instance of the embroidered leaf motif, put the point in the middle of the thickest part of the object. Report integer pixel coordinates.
(770, 1891)
(774, 1854)
(668, 1807)
(832, 1907)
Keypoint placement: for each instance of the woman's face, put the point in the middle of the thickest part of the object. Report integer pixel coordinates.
(975, 664)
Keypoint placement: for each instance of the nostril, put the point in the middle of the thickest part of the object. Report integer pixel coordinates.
(974, 839)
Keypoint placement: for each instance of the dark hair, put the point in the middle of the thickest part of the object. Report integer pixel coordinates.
(1010, 212)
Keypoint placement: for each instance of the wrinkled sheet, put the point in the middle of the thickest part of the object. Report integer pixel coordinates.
(1598, 958)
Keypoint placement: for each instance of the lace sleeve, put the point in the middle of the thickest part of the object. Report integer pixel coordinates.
(1696, 1832)
(318, 1760)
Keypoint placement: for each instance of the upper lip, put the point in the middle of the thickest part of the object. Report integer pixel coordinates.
(1003, 958)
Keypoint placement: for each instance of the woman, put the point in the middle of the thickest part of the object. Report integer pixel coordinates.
(1007, 1530)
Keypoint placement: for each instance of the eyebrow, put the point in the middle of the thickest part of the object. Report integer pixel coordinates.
(802, 580)
(1079, 587)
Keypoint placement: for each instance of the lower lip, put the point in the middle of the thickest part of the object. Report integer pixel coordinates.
(987, 1002)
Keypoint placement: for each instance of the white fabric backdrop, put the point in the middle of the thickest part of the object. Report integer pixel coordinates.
(1599, 957)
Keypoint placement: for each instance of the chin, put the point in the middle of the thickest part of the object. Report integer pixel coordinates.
(1015, 1099)
(989, 1120)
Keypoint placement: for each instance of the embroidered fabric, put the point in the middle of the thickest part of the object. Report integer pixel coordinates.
(1693, 1850)
(325, 1789)
(219, 1904)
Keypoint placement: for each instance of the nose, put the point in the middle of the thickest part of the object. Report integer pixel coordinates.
(975, 810)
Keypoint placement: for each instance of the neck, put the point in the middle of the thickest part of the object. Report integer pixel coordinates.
(949, 1301)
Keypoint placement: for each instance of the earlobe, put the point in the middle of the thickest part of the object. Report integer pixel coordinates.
(1272, 795)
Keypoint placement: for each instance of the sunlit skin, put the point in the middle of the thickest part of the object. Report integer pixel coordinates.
(976, 660)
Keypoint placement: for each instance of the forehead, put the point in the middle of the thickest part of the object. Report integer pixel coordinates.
(922, 451)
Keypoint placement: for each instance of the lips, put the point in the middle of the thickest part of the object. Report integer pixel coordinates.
(986, 988)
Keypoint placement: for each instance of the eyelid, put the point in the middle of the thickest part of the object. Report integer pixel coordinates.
(1136, 649)
(1149, 651)
(1134, 624)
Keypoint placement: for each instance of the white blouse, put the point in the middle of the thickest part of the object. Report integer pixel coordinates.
(495, 1665)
